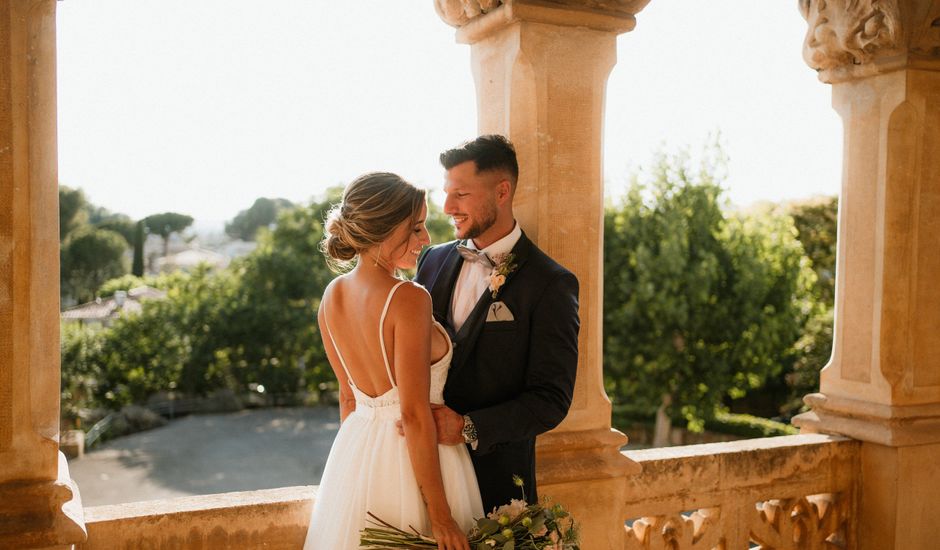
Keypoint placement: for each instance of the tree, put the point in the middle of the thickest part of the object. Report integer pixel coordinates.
(72, 210)
(89, 257)
(81, 372)
(439, 225)
(270, 315)
(698, 306)
(137, 267)
(75, 212)
(141, 354)
(161, 281)
(262, 213)
(166, 224)
(816, 225)
(119, 223)
(252, 323)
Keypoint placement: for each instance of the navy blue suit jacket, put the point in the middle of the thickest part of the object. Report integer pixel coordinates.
(515, 379)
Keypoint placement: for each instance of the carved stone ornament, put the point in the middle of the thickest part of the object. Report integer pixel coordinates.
(925, 37)
(815, 521)
(458, 13)
(849, 32)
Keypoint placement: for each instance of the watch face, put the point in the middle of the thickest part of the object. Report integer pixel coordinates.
(469, 430)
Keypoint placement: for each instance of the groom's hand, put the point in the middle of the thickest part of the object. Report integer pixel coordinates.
(449, 425)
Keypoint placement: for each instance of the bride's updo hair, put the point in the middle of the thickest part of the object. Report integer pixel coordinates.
(373, 205)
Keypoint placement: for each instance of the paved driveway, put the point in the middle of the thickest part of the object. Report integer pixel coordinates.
(215, 453)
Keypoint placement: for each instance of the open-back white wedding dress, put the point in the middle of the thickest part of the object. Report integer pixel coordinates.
(369, 469)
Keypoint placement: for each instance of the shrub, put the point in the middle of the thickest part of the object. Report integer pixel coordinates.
(748, 426)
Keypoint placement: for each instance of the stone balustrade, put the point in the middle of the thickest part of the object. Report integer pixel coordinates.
(793, 492)
(783, 492)
(273, 519)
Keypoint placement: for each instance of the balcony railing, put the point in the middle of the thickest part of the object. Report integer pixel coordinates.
(793, 492)
(274, 519)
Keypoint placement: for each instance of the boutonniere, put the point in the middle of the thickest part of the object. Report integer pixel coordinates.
(502, 266)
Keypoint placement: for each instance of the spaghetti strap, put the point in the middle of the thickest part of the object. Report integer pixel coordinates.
(388, 302)
(338, 353)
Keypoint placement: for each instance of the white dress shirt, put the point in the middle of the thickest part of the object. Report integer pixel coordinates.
(474, 278)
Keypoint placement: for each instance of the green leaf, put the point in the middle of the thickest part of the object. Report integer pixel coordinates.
(488, 526)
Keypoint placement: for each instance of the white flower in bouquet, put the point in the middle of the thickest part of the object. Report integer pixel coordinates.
(511, 510)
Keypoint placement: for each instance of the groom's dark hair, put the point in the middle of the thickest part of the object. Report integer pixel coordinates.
(490, 152)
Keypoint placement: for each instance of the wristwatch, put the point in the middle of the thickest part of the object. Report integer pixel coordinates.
(469, 432)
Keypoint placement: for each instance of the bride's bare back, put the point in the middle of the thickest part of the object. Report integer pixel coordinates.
(352, 308)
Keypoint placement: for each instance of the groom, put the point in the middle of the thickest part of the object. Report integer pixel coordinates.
(512, 313)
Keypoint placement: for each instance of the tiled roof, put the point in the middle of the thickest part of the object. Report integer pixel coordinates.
(107, 308)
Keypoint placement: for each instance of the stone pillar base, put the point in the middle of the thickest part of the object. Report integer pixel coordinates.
(44, 514)
(892, 425)
(585, 470)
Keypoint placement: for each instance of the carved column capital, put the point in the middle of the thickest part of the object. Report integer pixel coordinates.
(848, 39)
(458, 13)
(463, 13)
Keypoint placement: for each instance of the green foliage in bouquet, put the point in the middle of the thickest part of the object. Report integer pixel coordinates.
(514, 526)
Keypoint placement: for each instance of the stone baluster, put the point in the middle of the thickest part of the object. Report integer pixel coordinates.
(39, 504)
(541, 71)
(882, 384)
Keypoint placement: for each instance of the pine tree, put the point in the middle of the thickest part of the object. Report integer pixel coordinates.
(137, 268)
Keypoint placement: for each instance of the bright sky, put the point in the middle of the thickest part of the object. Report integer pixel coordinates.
(201, 107)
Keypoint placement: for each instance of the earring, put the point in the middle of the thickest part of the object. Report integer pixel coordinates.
(377, 260)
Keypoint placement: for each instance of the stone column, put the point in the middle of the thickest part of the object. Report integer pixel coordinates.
(882, 384)
(541, 73)
(39, 504)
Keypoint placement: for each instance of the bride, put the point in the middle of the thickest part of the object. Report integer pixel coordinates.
(391, 360)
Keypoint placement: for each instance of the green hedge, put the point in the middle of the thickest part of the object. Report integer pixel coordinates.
(743, 425)
(746, 425)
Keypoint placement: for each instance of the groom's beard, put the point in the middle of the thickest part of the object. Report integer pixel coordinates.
(479, 226)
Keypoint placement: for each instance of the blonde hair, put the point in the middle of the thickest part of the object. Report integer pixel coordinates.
(373, 205)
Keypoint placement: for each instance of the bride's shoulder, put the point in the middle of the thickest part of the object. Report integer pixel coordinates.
(331, 289)
(411, 290)
(411, 298)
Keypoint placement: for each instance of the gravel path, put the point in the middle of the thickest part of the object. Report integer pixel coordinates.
(214, 453)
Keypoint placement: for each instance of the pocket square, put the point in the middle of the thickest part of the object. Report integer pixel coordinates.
(499, 312)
